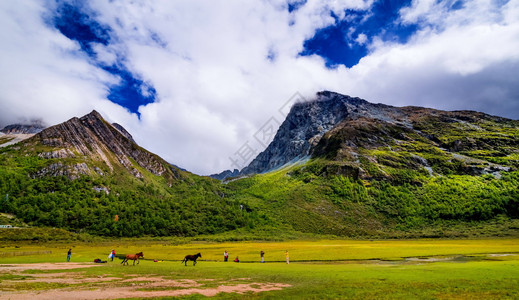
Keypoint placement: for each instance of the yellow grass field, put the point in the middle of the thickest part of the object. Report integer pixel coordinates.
(388, 269)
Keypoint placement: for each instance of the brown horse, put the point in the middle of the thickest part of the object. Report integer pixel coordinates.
(191, 257)
(134, 257)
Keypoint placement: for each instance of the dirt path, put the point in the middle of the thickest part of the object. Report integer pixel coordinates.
(46, 266)
(132, 292)
(102, 287)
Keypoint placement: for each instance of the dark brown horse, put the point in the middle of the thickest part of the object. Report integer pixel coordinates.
(191, 257)
(134, 257)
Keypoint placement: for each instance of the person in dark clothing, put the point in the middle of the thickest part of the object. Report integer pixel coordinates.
(69, 254)
(262, 254)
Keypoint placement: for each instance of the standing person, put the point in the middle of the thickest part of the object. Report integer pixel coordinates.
(225, 256)
(262, 253)
(112, 254)
(69, 254)
(286, 254)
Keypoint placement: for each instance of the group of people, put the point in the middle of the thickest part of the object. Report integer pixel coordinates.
(111, 255)
(262, 255)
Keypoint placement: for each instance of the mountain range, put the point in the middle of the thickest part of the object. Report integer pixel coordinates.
(337, 165)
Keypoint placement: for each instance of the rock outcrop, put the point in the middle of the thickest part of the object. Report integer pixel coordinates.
(123, 132)
(92, 138)
(307, 122)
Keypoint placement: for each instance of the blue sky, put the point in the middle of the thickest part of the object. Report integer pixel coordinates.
(78, 22)
(346, 41)
(194, 80)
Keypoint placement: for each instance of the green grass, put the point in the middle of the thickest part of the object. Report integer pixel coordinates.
(358, 277)
(319, 250)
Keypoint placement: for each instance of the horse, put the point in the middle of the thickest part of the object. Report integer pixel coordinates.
(134, 257)
(191, 257)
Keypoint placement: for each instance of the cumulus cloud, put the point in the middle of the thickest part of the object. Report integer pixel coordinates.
(466, 62)
(42, 75)
(361, 39)
(222, 69)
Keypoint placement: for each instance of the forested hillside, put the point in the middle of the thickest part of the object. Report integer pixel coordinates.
(84, 175)
(312, 197)
(386, 172)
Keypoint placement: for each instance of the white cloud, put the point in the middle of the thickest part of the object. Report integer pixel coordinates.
(221, 69)
(42, 76)
(105, 55)
(361, 39)
(467, 64)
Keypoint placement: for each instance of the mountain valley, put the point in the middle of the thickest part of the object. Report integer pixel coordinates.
(337, 166)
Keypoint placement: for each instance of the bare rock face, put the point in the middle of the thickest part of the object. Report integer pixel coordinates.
(92, 137)
(61, 153)
(306, 124)
(60, 169)
(123, 132)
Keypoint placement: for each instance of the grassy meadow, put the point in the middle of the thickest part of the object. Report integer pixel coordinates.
(392, 269)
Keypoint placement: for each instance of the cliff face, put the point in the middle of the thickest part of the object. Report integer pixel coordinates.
(92, 138)
(306, 124)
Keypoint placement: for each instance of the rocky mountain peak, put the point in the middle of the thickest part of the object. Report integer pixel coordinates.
(91, 138)
(308, 121)
(23, 128)
(93, 114)
(15, 133)
(226, 174)
(336, 127)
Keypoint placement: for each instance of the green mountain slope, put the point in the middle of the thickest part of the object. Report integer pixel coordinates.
(418, 171)
(312, 198)
(84, 175)
(379, 171)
